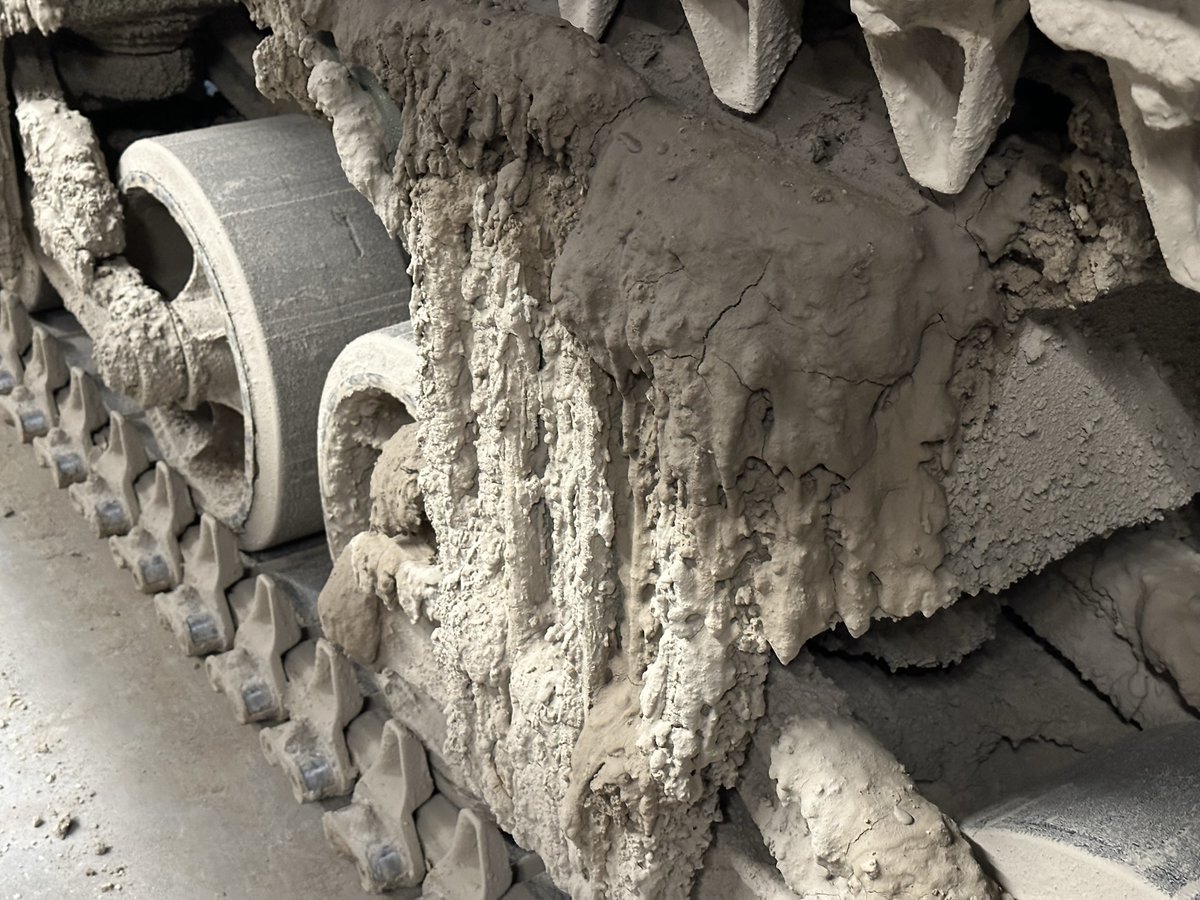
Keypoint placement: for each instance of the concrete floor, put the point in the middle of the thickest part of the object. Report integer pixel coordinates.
(102, 721)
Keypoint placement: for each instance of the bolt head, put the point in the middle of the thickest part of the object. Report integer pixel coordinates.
(201, 634)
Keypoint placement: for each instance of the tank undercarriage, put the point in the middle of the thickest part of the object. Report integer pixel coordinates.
(711, 449)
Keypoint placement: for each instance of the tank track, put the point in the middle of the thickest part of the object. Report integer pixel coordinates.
(345, 726)
(324, 721)
(252, 618)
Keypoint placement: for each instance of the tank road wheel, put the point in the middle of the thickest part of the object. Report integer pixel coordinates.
(1121, 823)
(268, 263)
(370, 394)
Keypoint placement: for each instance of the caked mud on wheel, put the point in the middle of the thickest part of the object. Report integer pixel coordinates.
(370, 394)
(721, 474)
(247, 267)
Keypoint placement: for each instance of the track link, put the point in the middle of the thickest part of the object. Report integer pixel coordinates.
(253, 618)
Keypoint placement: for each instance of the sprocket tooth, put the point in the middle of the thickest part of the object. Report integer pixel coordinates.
(151, 549)
(251, 674)
(378, 829)
(475, 867)
(108, 499)
(32, 406)
(590, 16)
(744, 46)
(16, 332)
(197, 611)
(947, 72)
(67, 449)
(311, 748)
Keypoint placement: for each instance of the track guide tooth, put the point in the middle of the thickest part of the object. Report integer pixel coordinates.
(377, 830)
(151, 549)
(16, 332)
(251, 674)
(20, 409)
(311, 748)
(108, 499)
(1151, 50)
(67, 449)
(197, 612)
(475, 867)
(32, 406)
(437, 820)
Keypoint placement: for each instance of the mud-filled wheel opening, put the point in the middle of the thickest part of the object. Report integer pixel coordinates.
(205, 436)
(156, 245)
(368, 420)
(210, 444)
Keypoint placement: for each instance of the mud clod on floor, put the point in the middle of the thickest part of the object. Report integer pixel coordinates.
(65, 825)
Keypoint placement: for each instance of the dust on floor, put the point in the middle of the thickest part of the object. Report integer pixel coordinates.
(121, 772)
